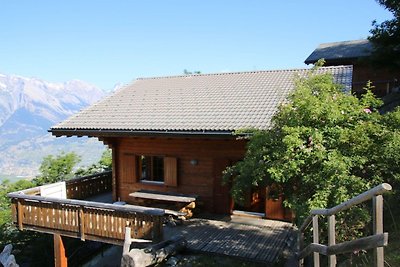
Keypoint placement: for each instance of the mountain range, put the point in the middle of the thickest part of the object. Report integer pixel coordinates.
(28, 108)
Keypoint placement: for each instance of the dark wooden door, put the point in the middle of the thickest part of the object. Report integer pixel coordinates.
(274, 205)
(222, 198)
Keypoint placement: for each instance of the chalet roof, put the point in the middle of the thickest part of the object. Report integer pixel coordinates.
(341, 51)
(199, 104)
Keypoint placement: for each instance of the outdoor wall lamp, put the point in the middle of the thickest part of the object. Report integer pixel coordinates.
(194, 162)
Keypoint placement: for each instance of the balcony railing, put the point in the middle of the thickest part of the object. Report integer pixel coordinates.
(87, 220)
(89, 186)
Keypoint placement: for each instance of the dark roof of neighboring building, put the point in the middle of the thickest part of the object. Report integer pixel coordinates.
(341, 51)
(204, 104)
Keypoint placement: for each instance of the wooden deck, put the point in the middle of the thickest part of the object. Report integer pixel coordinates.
(78, 217)
(262, 243)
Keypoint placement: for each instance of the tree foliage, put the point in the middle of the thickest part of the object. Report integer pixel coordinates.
(105, 163)
(53, 169)
(57, 168)
(325, 146)
(386, 36)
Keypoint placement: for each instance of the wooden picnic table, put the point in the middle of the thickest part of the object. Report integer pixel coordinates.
(188, 200)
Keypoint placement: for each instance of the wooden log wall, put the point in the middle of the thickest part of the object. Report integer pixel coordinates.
(192, 179)
(384, 80)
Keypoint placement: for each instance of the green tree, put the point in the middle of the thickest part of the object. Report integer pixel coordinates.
(8, 232)
(106, 159)
(105, 163)
(386, 36)
(57, 168)
(325, 146)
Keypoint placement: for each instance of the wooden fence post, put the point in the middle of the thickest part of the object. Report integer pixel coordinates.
(315, 239)
(300, 244)
(128, 240)
(331, 239)
(59, 252)
(377, 204)
(20, 214)
(81, 215)
(157, 234)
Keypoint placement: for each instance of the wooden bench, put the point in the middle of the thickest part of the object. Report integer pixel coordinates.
(163, 196)
(189, 201)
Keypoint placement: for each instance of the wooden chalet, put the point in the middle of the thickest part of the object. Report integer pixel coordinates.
(357, 53)
(171, 139)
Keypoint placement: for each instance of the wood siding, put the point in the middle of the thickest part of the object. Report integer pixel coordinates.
(170, 171)
(185, 178)
(129, 172)
(384, 80)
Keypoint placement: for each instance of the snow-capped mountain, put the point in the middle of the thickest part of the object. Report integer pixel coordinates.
(28, 108)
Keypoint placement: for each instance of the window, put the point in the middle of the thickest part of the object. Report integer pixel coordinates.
(151, 168)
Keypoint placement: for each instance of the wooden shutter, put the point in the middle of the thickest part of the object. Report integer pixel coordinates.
(170, 171)
(129, 168)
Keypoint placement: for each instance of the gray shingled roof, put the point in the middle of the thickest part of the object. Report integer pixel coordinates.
(197, 103)
(347, 50)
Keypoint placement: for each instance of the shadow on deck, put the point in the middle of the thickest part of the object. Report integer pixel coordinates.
(251, 239)
(248, 239)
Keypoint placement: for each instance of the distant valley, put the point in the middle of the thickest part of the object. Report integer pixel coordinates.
(28, 108)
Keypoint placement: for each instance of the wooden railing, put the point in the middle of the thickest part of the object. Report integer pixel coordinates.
(84, 187)
(376, 241)
(84, 219)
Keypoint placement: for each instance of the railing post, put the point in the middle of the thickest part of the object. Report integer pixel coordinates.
(300, 245)
(20, 215)
(331, 239)
(127, 241)
(157, 229)
(81, 215)
(315, 239)
(377, 204)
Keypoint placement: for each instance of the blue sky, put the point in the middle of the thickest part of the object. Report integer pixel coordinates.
(108, 42)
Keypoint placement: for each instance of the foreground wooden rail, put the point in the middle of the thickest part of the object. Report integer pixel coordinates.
(376, 241)
(84, 219)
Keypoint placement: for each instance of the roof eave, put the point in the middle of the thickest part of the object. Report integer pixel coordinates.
(133, 133)
(337, 61)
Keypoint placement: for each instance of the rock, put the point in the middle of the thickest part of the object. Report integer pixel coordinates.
(136, 258)
(173, 261)
(154, 254)
(5, 254)
(11, 262)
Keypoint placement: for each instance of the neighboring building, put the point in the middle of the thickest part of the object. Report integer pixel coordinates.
(175, 134)
(357, 53)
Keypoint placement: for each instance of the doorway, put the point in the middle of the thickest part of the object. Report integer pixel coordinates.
(254, 203)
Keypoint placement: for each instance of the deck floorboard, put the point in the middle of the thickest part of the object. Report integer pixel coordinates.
(261, 243)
